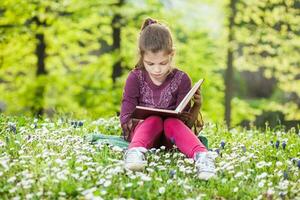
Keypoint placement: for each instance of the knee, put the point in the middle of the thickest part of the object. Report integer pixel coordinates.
(155, 120)
(171, 122)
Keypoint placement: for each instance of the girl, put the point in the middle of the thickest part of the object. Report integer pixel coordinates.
(155, 83)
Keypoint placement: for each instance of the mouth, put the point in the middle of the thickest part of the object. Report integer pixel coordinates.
(157, 75)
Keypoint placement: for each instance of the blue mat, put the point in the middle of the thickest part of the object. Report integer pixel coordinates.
(118, 141)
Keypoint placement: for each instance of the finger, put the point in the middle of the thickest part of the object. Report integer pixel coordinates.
(130, 125)
(197, 96)
(186, 116)
(198, 91)
(183, 118)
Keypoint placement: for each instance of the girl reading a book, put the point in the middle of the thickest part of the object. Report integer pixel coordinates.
(156, 83)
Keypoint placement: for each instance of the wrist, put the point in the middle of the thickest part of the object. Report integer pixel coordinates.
(196, 106)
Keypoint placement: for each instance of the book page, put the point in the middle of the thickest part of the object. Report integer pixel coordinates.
(155, 109)
(188, 96)
(141, 112)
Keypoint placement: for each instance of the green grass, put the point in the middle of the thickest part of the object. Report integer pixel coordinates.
(49, 159)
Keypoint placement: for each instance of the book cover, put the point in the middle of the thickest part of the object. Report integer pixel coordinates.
(142, 112)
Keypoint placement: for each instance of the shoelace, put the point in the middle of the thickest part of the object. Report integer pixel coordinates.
(210, 162)
(132, 154)
(206, 163)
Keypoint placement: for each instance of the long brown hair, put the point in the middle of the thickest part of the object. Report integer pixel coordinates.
(154, 37)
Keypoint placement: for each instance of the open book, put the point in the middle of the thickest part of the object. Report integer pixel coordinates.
(142, 112)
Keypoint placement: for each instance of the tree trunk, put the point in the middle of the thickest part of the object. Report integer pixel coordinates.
(229, 70)
(116, 46)
(38, 108)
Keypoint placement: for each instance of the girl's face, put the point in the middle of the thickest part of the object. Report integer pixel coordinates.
(158, 64)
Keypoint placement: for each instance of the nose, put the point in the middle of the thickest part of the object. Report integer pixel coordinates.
(156, 69)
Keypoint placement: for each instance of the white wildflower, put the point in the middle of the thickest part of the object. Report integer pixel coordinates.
(262, 175)
(140, 183)
(268, 164)
(88, 191)
(2, 144)
(270, 184)
(235, 189)
(146, 178)
(162, 190)
(160, 167)
(150, 170)
(12, 190)
(189, 160)
(158, 179)
(11, 179)
(151, 164)
(116, 148)
(167, 161)
(260, 164)
(62, 193)
(270, 191)
(182, 168)
(239, 174)
(107, 183)
(167, 155)
(128, 185)
(16, 198)
(261, 183)
(243, 159)
(283, 185)
(230, 168)
(103, 192)
(278, 164)
(29, 196)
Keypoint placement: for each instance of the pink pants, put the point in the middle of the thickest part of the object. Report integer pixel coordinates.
(155, 132)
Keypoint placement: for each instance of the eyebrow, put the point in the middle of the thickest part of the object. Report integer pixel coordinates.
(160, 62)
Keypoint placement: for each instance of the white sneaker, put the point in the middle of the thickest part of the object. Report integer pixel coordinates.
(135, 159)
(205, 163)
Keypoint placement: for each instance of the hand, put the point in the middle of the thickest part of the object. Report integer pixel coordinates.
(197, 98)
(127, 128)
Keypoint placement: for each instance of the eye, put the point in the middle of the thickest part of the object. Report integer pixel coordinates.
(164, 63)
(150, 64)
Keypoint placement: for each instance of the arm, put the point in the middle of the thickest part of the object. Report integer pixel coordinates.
(184, 88)
(129, 102)
(191, 116)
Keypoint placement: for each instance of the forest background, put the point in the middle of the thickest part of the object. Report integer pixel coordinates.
(72, 57)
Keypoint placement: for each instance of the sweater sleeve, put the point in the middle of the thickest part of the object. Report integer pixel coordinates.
(183, 89)
(130, 97)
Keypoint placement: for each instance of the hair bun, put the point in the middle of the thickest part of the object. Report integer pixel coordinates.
(148, 22)
(151, 21)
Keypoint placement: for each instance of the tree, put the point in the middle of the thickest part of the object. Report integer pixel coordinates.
(267, 33)
(230, 58)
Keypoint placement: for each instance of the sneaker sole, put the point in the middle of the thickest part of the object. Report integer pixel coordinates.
(206, 175)
(135, 166)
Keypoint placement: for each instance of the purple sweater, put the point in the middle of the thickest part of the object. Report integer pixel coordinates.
(140, 90)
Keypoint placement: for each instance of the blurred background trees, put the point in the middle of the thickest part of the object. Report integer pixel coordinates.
(72, 56)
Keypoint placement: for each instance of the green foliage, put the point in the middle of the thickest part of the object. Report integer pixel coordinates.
(78, 61)
(267, 36)
(79, 55)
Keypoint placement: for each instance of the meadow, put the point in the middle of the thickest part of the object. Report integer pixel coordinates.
(51, 159)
